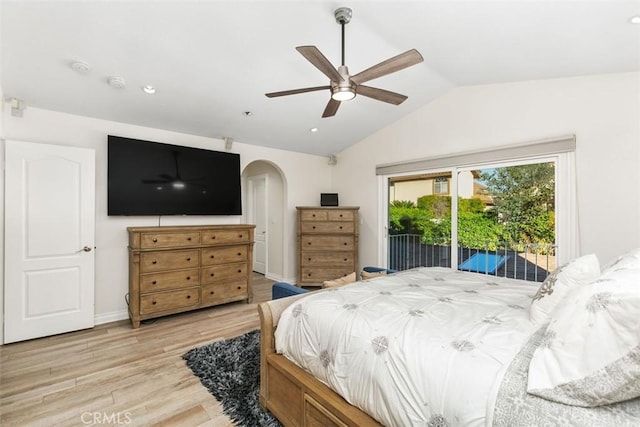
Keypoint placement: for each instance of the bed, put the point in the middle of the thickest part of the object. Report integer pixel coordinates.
(428, 346)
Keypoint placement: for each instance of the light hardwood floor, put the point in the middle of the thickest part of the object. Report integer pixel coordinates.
(115, 375)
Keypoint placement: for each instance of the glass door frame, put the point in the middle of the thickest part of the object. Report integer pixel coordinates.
(566, 226)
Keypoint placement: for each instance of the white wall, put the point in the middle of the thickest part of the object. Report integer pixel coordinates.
(602, 111)
(111, 285)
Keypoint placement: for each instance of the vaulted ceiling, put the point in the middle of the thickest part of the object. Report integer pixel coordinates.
(212, 62)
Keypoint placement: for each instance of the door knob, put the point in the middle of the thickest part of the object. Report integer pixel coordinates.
(87, 249)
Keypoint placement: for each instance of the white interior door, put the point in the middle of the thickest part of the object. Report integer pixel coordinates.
(49, 239)
(258, 215)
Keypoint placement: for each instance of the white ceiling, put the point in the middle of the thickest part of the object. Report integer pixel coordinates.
(213, 60)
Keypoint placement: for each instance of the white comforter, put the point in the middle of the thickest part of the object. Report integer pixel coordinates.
(421, 347)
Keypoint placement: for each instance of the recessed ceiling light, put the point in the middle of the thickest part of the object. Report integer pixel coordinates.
(247, 113)
(635, 19)
(117, 82)
(80, 67)
(313, 130)
(149, 89)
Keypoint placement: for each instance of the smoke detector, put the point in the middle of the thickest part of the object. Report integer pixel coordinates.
(80, 67)
(117, 82)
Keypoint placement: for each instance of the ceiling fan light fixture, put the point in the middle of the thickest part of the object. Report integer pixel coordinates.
(342, 93)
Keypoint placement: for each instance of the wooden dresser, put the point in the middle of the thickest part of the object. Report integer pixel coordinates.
(327, 243)
(175, 269)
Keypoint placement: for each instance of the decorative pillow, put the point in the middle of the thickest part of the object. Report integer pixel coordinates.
(367, 275)
(349, 278)
(590, 353)
(629, 260)
(577, 272)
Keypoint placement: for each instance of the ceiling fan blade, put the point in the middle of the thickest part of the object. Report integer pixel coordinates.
(316, 57)
(295, 91)
(380, 94)
(391, 65)
(331, 108)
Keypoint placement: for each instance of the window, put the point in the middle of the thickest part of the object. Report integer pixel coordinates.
(441, 186)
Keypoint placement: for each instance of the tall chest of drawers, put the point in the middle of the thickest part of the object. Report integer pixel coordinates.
(176, 269)
(327, 243)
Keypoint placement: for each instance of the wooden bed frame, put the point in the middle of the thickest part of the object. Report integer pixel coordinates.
(293, 395)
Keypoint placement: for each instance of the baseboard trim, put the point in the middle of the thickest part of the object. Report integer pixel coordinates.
(278, 278)
(114, 316)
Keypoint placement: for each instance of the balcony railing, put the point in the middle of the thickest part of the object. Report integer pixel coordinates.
(528, 261)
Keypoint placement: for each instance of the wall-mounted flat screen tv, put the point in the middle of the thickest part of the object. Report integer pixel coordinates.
(150, 178)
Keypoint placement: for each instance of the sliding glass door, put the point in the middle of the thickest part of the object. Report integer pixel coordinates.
(497, 219)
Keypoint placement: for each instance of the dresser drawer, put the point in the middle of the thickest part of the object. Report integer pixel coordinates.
(340, 215)
(225, 272)
(329, 243)
(319, 275)
(169, 260)
(223, 255)
(323, 259)
(163, 301)
(169, 240)
(219, 237)
(327, 227)
(313, 215)
(224, 291)
(169, 280)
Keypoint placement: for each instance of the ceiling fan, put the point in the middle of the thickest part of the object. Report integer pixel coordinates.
(343, 86)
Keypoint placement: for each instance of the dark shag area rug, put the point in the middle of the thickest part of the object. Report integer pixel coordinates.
(230, 370)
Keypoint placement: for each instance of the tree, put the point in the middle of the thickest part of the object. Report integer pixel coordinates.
(524, 199)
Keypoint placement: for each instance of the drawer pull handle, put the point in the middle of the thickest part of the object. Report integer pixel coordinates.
(313, 215)
(153, 302)
(154, 262)
(345, 259)
(213, 237)
(212, 292)
(189, 277)
(239, 271)
(154, 282)
(309, 274)
(212, 256)
(240, 236)
(345, 243)
(340, 215)
(239, 253)
(212, 274)
(340, 227)
(155, 240)
(308, 243)
(314, 227)
(189, 259)
(309, 259)
(239, 287)
(188, 296)
(189, 238)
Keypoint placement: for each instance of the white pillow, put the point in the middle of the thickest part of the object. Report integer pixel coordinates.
(590, 353)
(629, 260)
(577, 272)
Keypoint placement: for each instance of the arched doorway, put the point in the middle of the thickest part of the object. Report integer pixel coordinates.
(265, 199)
